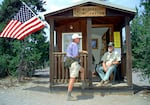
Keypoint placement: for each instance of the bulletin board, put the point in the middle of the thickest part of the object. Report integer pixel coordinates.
(117, 40)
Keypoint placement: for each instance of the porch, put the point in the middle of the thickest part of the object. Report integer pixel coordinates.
(60, 75)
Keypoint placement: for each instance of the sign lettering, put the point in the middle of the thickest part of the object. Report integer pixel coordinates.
(88, 11)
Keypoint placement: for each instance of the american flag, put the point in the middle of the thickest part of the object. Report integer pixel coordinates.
(24, 23)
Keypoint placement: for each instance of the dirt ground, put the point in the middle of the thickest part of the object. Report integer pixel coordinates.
(37, 92)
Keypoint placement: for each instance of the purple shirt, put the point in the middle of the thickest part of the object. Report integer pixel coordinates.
(73, 50)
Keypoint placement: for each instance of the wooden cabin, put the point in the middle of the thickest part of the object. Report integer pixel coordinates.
(99, 22)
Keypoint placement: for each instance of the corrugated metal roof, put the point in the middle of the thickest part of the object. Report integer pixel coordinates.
(99, 2)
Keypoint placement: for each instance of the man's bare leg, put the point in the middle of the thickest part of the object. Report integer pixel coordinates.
(70, 87)
(71, 83)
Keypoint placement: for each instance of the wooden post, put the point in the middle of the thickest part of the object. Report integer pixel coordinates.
(128, 52)
(89, 48)
(51, 50)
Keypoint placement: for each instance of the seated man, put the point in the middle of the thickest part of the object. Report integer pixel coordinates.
(110, 60)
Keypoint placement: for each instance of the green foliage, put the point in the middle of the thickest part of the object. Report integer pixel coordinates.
(28, 54)
(35, 5)
(3, 65)
(7, 10)
(141, 40)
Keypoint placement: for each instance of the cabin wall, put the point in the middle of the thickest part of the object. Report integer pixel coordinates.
(77, 26)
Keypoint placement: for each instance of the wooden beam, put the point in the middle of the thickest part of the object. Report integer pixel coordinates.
(101, 25)
(128, 52)
(89, 49)
(51, 50)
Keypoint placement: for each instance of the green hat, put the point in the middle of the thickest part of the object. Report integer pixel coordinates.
(111, 44)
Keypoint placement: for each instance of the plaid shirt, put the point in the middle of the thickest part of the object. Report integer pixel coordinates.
(111, 57)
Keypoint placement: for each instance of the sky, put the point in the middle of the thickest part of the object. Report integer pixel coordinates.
(53, 5)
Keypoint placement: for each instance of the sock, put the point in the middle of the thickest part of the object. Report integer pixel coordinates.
(83, 82)
(69, 93)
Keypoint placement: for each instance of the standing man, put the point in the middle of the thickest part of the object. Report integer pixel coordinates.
(75, 68)
(110, 60)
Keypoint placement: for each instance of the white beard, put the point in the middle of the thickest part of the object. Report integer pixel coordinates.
(109, 50)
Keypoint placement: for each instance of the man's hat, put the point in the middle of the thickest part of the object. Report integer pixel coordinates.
(74, 36)
(111, 44)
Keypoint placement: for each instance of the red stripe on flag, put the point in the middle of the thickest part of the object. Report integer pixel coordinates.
(23, 24)
(31, 26)
(15, 25)
(23, 27)
(33, 30)
(5, 31)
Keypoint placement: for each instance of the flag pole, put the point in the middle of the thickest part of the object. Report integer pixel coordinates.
(32, 11)
(28, 7)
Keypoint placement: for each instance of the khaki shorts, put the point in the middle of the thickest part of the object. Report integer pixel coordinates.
(74, 69)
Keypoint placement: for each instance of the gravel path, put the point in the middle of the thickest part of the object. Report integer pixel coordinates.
(37, 92)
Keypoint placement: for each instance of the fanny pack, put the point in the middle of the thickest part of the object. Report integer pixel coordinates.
(68, 62)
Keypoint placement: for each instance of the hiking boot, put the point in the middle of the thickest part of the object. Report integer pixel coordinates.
(100, 83)
(106, 82)
(71, 98)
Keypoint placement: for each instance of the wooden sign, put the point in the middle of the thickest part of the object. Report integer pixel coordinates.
(88, 11)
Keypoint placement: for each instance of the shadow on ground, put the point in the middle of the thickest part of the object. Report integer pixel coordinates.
(141, 89)
(41, 84)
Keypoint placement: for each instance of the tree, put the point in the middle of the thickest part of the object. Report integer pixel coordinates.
(26, 55)
(140, 28)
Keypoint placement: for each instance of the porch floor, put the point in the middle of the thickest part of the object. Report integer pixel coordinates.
(110, 89)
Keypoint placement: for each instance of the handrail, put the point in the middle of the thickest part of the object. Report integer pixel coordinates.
(60, 74)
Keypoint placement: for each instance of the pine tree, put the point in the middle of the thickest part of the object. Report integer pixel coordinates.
(28, 54)
(141, 39)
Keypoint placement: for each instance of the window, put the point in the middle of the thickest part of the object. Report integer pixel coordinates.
(66, 39)
(94, 43)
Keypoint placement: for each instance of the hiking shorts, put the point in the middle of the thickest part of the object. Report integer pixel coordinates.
(74, 69)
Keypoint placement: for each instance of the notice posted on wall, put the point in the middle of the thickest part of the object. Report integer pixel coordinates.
(117, 41)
